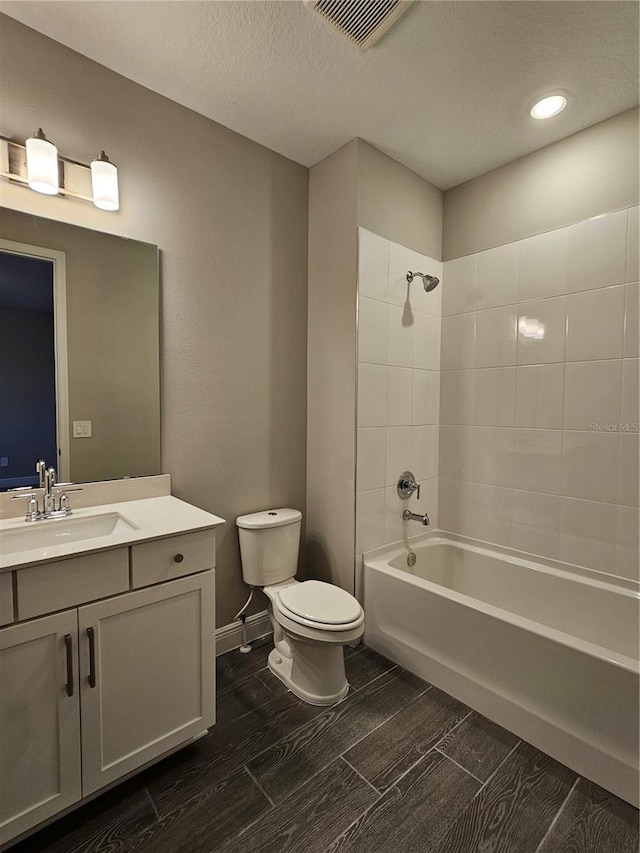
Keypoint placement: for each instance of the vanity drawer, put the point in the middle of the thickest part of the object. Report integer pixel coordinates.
(67, 583)
(6, 599)
(174, 557)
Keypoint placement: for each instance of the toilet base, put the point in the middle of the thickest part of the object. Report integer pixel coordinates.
(314, 673)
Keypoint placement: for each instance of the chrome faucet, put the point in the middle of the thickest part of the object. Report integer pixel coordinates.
(414, 516)
(406, 486)
(47, 482)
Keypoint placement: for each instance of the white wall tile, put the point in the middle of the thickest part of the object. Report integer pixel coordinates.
(401, 260)
(424, 452)
(628, 471)
(371, 458)
(494, 396)
(543, 265)
(372, 331)
(630, 386)
(593, 393)
(541, 331)
(426, 341)
(498, 276)
(457, 388)
(633, 239)
(369, 520)
(428, 501)
(588, 534)
(537, 460)
(455, 506)
(631, 313)
(399, 453)
(394, 526)
(496, 337)
(589, 465)
(400, 337)
(492, 514)
(536, 523)
(455, 445)
(493, 456)
(426, 397)
(459, 286)
(372, 395)
(596, 252)
(595, 324)
(373, 265)
(627, 556)
(399, 396)
(458, 342)
(540, 395)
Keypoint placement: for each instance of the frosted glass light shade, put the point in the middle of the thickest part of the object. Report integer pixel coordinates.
(42, 164)
(104, 183)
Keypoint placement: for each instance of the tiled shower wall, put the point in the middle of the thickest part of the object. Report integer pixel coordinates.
(538, 444)
(398, 389)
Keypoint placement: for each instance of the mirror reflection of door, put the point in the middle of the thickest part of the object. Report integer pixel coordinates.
(32, 389)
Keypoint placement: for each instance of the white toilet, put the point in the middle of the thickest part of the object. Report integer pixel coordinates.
(311, 620)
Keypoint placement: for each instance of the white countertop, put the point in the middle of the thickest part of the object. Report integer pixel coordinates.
(153, 518)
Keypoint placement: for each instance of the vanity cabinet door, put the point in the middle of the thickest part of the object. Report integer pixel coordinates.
(39, 721)
(147, 675)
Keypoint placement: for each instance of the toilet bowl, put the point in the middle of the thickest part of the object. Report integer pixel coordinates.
(312, 620)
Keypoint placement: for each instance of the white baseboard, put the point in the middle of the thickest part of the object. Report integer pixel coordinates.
(229, 636)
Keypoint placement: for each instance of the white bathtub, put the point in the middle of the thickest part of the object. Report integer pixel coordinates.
(546, 650)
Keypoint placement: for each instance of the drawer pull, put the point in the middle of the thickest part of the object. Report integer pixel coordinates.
(178, 558)
(91, 634)
(69, 650)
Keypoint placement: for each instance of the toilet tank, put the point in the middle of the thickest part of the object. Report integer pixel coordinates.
(269, 543)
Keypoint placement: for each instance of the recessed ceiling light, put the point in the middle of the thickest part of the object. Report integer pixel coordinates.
(548, 107)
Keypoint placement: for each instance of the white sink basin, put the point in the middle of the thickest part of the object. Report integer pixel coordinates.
(51, 532)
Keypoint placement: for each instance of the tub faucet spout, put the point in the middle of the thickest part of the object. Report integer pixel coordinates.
(414, 516)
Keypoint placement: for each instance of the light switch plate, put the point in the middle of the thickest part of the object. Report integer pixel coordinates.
(82, 429)
(4, 461)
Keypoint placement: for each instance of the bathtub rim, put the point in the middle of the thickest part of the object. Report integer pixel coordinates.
(522, 558)
(379, 560)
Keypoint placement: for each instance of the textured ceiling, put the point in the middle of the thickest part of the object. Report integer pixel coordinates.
(445, 91)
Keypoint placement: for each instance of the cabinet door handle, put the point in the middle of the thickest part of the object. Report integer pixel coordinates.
(178, 558)
(91, 634)
(69, 650)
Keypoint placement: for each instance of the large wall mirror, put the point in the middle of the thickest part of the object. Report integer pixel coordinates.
(79, 353)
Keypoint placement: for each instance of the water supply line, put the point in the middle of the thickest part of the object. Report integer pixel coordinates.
(245, 648)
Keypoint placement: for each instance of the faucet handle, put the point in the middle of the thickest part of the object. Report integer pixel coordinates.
(407, 485)
(33, 514)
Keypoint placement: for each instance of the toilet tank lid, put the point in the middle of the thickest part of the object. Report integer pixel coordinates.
(268, 518)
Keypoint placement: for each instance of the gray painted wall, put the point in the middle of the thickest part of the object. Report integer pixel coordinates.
(397, 204)
(331, 372)
(587, 174)
(230, 218)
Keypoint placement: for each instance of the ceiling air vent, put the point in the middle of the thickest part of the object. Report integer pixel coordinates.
(361, 22)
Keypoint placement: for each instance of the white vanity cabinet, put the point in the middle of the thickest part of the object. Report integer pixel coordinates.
(39, 721)
(92, 693)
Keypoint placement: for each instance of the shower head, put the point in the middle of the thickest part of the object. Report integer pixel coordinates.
(430, 282)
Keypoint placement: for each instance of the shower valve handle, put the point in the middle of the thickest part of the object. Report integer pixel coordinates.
(407, 485)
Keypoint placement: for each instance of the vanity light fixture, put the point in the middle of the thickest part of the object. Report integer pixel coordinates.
(42, 164)
(548, 107)
(38, 165)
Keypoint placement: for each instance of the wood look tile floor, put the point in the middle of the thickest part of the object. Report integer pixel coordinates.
(397, 767)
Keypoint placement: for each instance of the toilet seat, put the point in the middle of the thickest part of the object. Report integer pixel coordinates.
(319, 605)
